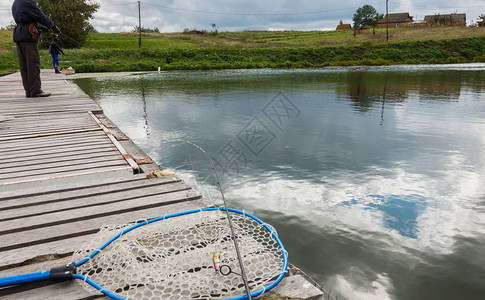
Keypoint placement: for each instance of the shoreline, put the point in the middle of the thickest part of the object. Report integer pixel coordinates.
(408, 66)
(117, 59)
(466, 50)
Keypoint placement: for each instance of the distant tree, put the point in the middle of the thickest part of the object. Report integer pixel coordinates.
(214, 28)
(194, 31)
(10, 26)
(366, 16)
(145, 30)
(91, 29)
(72, 18)
(481, 20)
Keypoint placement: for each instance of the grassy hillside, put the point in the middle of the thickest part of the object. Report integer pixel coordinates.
(265, 39)
(263, 49)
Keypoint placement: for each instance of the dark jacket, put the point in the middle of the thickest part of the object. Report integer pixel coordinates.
(24, 13)
(55, 49)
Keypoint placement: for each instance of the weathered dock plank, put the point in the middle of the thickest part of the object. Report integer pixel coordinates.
(22, 255)
(18, 134)
(94, 192)
(60, 291)
(74, 189)
(34, 161)
(52, 150)
(19, 127)
(77, 138)
(8, 176)
(67, 96)
(82, 221)
(19, 219)
(85, 162)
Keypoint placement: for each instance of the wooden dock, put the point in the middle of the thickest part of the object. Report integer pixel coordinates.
(65, 171)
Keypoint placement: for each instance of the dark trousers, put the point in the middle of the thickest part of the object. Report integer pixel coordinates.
(29, 64)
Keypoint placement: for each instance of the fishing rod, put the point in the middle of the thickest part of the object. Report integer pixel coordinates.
(70, 38)
(59, 32)
(241, 265)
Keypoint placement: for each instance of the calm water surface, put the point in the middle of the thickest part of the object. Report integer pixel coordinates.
(373, 177)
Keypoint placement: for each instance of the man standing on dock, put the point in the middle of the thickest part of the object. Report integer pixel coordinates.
(27, 14)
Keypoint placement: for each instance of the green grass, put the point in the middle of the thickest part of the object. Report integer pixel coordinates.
(6, 41)
(8, 60)
(130, 41)
(243, 39)
(106, 52)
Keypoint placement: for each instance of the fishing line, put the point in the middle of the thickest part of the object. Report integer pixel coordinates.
(70, 38)
(91, 55)
(56, 34)
(241, 265)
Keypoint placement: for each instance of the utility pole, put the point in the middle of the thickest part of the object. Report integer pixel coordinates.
(387, 20)
(139, 26)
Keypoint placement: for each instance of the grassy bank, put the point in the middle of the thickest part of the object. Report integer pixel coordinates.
(292, 49)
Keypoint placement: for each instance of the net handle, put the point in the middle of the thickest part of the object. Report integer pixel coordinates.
(25, 278)
(64, 272)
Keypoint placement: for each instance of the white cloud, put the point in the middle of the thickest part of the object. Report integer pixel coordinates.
(379, 288)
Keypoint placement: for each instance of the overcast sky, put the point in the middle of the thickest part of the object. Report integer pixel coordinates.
(230, 15)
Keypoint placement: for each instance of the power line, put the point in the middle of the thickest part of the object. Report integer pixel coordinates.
(119, 4)
(442, 7)
(252, 14)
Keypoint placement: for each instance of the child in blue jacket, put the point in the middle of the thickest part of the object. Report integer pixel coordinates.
(54, 50)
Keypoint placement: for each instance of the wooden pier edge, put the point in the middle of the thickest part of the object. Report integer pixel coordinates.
(56, 190)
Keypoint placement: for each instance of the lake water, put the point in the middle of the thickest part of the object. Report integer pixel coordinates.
(373, 177)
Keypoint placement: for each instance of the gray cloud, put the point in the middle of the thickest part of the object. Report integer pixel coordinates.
(175, 15)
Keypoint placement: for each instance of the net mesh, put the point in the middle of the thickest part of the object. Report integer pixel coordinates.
(173, 258)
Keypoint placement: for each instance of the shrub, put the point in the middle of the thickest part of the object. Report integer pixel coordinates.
(479, 58)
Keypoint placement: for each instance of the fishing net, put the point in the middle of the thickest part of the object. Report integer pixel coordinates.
(174, 258)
